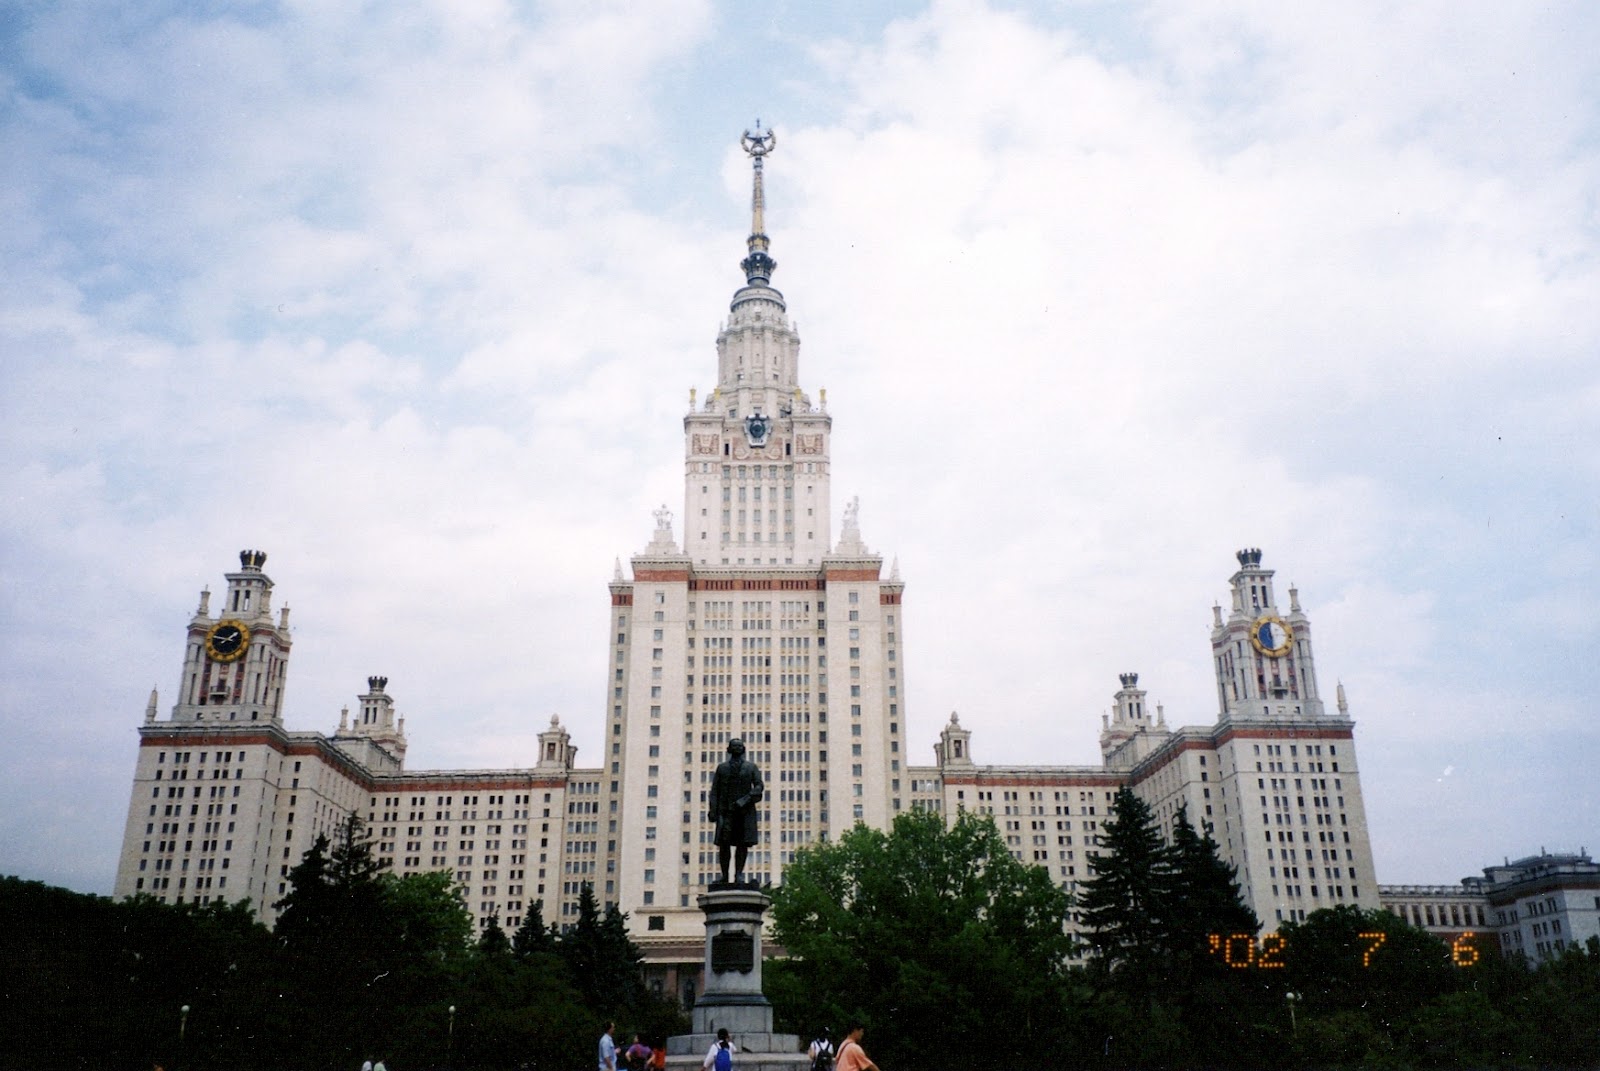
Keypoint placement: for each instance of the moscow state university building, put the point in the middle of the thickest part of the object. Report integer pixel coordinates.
(761, 616)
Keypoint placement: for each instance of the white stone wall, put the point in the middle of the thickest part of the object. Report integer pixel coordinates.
(1544, 904)
(1308, 776)
(645, 749)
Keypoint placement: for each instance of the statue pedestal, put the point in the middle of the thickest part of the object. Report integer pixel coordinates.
(732, 999)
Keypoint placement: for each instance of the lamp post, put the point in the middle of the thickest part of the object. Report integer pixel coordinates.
(183, 1022)
(1292, 998)
(450, 1039)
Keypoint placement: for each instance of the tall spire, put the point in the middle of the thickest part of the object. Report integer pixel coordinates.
(758, 266)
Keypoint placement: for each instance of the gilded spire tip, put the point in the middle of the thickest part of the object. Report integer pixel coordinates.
(758, 265)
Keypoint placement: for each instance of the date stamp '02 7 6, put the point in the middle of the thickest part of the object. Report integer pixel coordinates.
(1243, 951)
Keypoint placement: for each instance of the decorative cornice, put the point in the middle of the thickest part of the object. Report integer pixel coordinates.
(852, 569)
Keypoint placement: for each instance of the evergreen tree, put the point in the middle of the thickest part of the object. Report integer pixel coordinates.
(494, 942)
(1127, 902)
(532, 936)
(1205, 892)
(604, 962)
(331, 892)
(352, 866)
(338, 939)
(1221, 1009)
(620, 968)
(580, 946)
(304, 911)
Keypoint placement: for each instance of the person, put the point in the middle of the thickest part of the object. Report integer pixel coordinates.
(637, 1054)
(821, 1052)
(378, 1065)
(735, 790)
(366, 1065)
(852, 1057)
(608, 1050)
(720, 1056)
(658, 1055)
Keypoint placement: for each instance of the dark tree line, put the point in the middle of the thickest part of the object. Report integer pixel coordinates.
(361, 964)
(953, 953)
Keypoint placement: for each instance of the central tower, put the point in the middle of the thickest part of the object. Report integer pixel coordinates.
(762, 626)
(756, 450)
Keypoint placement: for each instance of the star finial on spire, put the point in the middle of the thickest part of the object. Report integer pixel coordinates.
(759, 265)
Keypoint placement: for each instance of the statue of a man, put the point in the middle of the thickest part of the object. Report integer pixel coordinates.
(735, 791)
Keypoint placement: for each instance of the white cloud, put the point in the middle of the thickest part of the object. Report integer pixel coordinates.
(413, 301)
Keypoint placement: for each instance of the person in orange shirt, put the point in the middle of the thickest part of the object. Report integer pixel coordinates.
(852, 1057)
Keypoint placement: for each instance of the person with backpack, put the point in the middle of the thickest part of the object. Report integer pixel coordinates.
(821, 1051)
(852, 1057)
(720, 1056)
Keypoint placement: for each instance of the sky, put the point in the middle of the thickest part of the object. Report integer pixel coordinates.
(412, 297)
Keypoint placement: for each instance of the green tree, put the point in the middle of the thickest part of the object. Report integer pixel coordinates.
(1219, 1009)
(425, 918)
(511, 1011)
(426, 939)
(1463, 1029)
(351, 866)
(603, 961)
(533, 936)
(929, 932)
(92, 982)
(493, 941)
(1347, 958)
(579, 947)
(1204, 890)
(1558, 1005)
(339, 943)
(1127, 902)
(620, 972)
(305, 912)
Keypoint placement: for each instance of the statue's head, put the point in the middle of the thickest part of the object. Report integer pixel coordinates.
(736, 748)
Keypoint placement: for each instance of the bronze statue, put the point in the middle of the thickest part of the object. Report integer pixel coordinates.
(735, 791)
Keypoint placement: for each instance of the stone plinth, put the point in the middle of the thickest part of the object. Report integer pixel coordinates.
(733, 999)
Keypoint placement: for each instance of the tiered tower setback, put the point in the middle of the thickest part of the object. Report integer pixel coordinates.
(733, 635)
(756, 450)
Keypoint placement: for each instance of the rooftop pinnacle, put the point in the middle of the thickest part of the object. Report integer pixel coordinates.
(758, 265)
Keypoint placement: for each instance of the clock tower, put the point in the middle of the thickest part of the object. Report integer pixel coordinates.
(1262, 656)
(235, 660)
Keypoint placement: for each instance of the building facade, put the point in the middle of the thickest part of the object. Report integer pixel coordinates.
(1275, 776)
(758, 624)
(1449, 912)
(1533, 909)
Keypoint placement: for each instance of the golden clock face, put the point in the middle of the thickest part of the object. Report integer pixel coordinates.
(1271, 636)
(227, 641)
